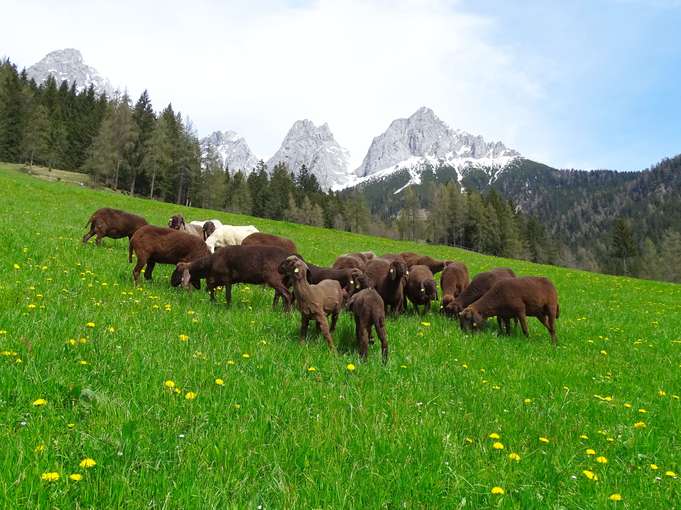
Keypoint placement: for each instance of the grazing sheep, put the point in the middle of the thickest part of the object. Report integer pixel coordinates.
(480, 284)
(453, 281)
(237, 264)
(516, 298)
(229, 235)
(414, 259)
(353, 260)
(421, 288)
(176, 222)
(368, 308)
(315, 302)
(388, 279)
(112, 223)
(160, 245)
(262, 239)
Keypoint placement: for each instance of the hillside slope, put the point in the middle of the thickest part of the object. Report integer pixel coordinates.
(259, 420)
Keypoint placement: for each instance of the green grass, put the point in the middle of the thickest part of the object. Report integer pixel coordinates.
(412, 434)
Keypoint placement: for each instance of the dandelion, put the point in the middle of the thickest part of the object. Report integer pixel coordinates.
(654, 467)
(70, 426)
(39, 402)
(469, 440)
(17, 267)
(76, 477)
(169, 384)
(494, 435)
(615, 497)
(184, 338)
(670, 474)
(40, 448)
(311, 369)
(527, 401)
(642, 410)
(627, 405)
(583, 436)
(590, 451)
(111, 329)
(71, 341)
(237, 406)
(231, 362)
(640, 425)
(498, 491)
(90, 325)
(590, 475)
(3, 332)
(403, 366)
(87, 463)
(49, 477)
(245, 355)
(514, 456)
(219, 382)
(83, 362)
(190, 395)
(604, 353)
(498, 446)
(425, 324)
(602, 460)
(662, 393)
(31, 306)
(544, 440)
(350, 367)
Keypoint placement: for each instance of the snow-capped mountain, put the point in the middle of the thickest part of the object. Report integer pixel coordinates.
(68, 65)
(316, 148)
(232, 150)
(425, 139)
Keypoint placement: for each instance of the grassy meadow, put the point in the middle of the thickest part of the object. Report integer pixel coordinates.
(180, 403)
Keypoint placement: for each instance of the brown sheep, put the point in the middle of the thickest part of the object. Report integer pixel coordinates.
(453, 281)
(414, 259)
(315, 302)
(353, 260)
(237, 264)
(388, 279)
(176, 222)
(160, 245)
(262, 239)
(112, 223)
(480, 284)
(368, 308)
(516, 298)
(421, 288)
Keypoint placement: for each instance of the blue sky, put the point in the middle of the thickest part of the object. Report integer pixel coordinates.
(581, 84)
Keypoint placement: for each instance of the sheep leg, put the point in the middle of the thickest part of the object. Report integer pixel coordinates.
(321, 320)
(550, 323)
(141, 262)
(362, 338)
(426, 308)
(228, 292)
(522, 318)
(149, 270)
(334, 319)
(379, 325)
(87, 236)
(276, 299)
(304, 322)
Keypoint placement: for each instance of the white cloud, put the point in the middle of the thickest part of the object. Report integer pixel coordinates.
(256, 67)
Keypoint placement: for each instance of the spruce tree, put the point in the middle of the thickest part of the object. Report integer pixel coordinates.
(623, 247)
(144, 119)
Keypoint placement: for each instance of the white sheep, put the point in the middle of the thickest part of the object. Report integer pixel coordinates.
(229, 235)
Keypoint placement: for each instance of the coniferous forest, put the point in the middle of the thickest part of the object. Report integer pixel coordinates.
(129, 146)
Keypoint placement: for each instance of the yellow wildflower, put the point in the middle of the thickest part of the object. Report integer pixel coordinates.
(662, 393)
(311, 369)
(627, 405)
(39, 402)
(615, 497)
(245, 355)
(514, 456)
(87, 463)
(498, 491)
(583, 436)
(498, 446)
(90, 325)
(190, 395)
(527, 401)
(426, 324)
(640, 425)
(50, 476)
(31, 306)
(642, 410)
(590, 451)
(670, 474)
(231, 362)
(184, 338)
(219, 382)
(76, 477)
(169, 384)
(494, 435)
(40, 448)
(350, 367)
(654, 467)
(590, 475)
(602, 460)
(544, 440)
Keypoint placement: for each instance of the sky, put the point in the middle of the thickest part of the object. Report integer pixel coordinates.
(582, 84)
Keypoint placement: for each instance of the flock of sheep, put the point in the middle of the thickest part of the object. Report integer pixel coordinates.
(368, 285)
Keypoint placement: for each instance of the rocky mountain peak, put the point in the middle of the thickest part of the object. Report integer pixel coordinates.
(232, 150)
(68, 64)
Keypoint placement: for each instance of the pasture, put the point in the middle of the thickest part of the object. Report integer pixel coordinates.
(182, 403)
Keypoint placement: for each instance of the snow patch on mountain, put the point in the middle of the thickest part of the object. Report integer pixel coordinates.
(231, 149)
(68, 64)
(317, 149)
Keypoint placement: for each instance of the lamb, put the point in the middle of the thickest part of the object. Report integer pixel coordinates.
(388, 279)
(368, 308)
(260, 238)
(154, 245)
(229, 235)
(421, 288)
(353, 260)
(453, 281)
(414, 259)
(516, 298)
(176, 222)
(315, 302)
(236, 264)
(475, 290)
(112, 223)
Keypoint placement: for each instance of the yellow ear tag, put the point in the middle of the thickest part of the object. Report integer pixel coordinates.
(296, 270)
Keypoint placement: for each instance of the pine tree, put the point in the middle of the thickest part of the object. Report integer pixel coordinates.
(258, 186)
(623, 247)
(280, 188)
(241, 195)
(35, 138)
(157, 153)
(13, 116)
(670, 255)
(144, 119)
